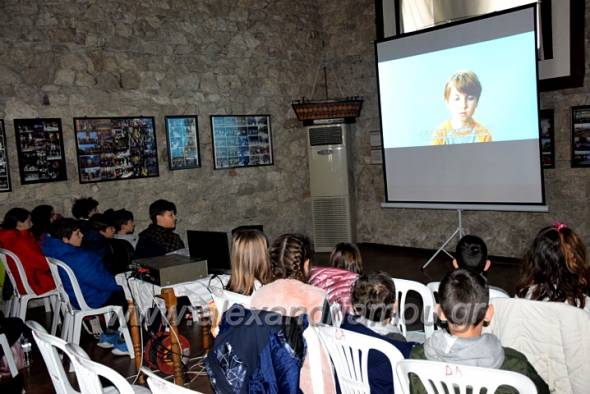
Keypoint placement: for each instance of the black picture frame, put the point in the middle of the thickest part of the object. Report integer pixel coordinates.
(580, 143)
(241, 141)
(571, 24)
(116, 148)
(5, 184)
(547, 140)
(182, 138)
(562, 25)
(40, 150)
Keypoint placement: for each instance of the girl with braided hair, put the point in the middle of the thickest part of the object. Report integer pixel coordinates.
(290, 295)
(555, 268)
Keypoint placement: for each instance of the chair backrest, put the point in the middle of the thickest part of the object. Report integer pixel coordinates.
(495, 292)
(48, 346)
(402, 287)
(440, 377)
(8, 355)
(161, 386)
(314, 355)
(55, 266)
(552, 335)
(224, 299)
(4, 254)
(349, 352)
(88, 373)
(336, 314)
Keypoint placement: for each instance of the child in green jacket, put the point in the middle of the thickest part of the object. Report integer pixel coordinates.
(464, 305)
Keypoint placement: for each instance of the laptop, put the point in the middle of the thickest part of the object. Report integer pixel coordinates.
(212, 246)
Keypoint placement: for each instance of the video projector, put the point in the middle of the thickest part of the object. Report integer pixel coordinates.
(170, 269)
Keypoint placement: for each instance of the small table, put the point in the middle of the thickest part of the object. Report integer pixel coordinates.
(142, 295)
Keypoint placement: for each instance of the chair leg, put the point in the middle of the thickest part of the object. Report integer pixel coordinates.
(125, 331)
(22, 308)
(7, 308)
(56, 315)
(46, 304)
(67, 327)
(8, 355)
(13, 307)
(77, 330)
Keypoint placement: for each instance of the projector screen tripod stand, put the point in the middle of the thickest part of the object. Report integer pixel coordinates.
(459, 231)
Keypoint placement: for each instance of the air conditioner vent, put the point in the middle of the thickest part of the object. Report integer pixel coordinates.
(325, 136)
(331, 222)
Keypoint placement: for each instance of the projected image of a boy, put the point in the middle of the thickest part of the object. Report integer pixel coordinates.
(462, 92)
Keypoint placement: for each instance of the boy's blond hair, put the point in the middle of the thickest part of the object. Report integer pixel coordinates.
(466, 82)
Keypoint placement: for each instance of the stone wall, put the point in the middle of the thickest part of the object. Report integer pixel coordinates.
(166, 57)
(349, 28)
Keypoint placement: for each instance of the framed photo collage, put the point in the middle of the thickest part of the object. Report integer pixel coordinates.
(118, 148)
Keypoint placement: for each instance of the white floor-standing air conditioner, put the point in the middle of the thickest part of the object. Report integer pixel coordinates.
(330, 185)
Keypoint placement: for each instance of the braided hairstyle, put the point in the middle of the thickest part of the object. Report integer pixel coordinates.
(288, 255)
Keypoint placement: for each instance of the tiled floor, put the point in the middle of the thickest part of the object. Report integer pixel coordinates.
(399, 262)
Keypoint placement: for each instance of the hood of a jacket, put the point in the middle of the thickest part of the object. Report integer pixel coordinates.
(484, 351)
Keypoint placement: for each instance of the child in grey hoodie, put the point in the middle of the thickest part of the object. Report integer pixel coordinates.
(464, 305)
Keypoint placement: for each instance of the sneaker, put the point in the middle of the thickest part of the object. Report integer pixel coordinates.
(120, 349)
(108, 341)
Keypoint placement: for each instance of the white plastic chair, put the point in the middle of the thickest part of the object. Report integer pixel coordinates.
(8, 355)
(495, 292)
(552, 335)
(440, 377)
(402, 287)
(314, 354)
(19, 305)
(224, 299)
(89, 372)
(349, 352)
(161, 386)
(72, 325)
(336, 314)
(48, 345)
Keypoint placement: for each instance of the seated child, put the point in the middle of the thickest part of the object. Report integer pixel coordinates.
(471, 254)
(159, 238)
(124, 225)
(15, 235)
(250, 269)
(97, 284)
(464, 305)
(347, 256)
(345, 265)
(289, 293)
(555, 269)
(374, 303)
(250, 262)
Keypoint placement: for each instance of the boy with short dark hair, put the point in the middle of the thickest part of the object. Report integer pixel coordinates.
(374, 304)
(159, 238)
(98, 286)
(464, 305)
(471, 253)
(84, 207)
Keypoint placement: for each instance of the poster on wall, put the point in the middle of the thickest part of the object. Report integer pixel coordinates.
(40, 150)
(4, 169)
(116, 148)
(547, 138)
(183, 142)
(241, 141)
(580, 147)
